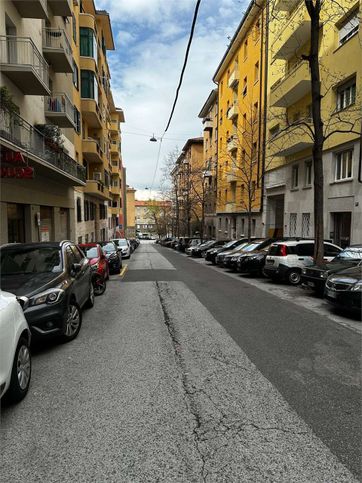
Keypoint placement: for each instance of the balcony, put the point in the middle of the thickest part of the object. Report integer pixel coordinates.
(32, 8)
(59, 110)
(292, 141)
(233, 79)
(115, 169)
(292, 87)
(294, 34)
(207, 124)
(115, 211)
(97, 189)
(22, 62)
(231, 175)
(17, 134)
(114, 126)
(91, 113)
(232, 112)
(115, 190)
(231, 144)
(114, 147)
(285, 5)
(57, 50)
(92, 150)
(60, 8)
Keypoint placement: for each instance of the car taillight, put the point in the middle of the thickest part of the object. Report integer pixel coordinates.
(283, 250)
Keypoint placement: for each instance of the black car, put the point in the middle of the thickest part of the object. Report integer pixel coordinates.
(54, 280)
(230, 260)
(212, 253)
(113, 256)
(315, 276)
(252, 263)
(344, 290)
(200, 250)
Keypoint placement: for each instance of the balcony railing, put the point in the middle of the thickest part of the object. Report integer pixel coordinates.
(16, 130)
(19, 55)
(56, 39)
(57, 49)
(60, 107)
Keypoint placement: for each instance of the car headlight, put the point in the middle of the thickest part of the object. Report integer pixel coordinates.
(50, 297)
(357, 287)
(323, 275)
(304, 271)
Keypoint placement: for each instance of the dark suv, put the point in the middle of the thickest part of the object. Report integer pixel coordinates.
(54, 280)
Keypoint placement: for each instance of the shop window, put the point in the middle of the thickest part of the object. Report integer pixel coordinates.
(344, 165)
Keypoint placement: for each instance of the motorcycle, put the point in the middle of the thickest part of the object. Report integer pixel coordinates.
(99, 283)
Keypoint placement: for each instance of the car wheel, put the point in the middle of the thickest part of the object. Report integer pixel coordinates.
(20, 373)
(100, 287)
(90, 301)
(293, 276)
(72, 322)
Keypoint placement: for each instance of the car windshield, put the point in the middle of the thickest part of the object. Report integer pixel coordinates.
(31, 260)
(91, 252)
(108, 248)
(229, 244)
(249, 248)
(121, 243)
(350, 254)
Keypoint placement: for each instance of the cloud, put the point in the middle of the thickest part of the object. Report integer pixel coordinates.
(151, 38)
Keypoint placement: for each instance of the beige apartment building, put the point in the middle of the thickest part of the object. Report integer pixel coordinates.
(130, 213)
(53, 100)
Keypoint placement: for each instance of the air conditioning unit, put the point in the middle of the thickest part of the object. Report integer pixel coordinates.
(97, 176)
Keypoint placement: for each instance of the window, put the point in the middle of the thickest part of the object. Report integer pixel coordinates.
(79, 210)
(348, 28)
(253, 190)
(77, 120)
(274, 131)
(293, 224)
(330, 250)
(344, 165)
(308, 173)
(305, 225)
(256, 72)
(245, 49)
(242, 226)
(78, 256)
(75, 75)
(253, 226)
(242, 192)
(86, 211)
(74, 24)
(226, 196)
(245, 86)
(295, 173)
(346, 94)
(88, 43)
(89, 85)
(305, 249)
(255, 112)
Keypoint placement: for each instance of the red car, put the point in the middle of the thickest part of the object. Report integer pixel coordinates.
(96, 258)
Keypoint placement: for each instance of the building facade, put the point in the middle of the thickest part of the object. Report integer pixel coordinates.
(241, 80)
(54, 121)
(209, 116)
(131, 213)
(289, 178)
(189, 189)
(153, 217)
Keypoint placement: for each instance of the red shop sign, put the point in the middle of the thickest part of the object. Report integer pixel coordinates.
(16, 172)
(13, 157)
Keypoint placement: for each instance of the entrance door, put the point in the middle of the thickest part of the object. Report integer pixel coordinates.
(342, 228)
(275, 216)
(64, 220)
(16, 223)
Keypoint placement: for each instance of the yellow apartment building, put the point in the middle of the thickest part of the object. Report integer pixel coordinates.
(39, 164)
(188, 181)
(131, 213)
(209, 116)
(289, 165)
(241, 80)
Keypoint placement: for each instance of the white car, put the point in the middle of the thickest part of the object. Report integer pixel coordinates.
(123, 246)
(286, 259)
(15, 358)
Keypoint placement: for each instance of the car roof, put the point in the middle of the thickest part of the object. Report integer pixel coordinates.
(92, 244)
(24, 246)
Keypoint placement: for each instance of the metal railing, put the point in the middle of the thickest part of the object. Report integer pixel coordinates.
(56, 39)
(59, 102)
(22, 51)
(18, 131)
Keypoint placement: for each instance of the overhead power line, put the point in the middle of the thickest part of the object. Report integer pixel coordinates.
(185, 62)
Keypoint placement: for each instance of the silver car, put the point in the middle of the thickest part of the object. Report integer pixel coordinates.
(123, 246)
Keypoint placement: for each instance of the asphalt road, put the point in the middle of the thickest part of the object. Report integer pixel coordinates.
(183, 374)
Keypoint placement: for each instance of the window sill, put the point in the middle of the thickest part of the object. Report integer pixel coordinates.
(308, 187)
(294, 189)
(339, 181)
(338, 111)
(344, 43)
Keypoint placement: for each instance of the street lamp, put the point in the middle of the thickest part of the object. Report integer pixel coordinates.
(153, 139)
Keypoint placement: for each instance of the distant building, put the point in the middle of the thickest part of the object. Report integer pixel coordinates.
(130, 213)
(152, 216)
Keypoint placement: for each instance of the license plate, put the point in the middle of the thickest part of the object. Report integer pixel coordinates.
(331, 294)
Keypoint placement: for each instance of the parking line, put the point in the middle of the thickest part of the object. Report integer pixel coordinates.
(123, 271)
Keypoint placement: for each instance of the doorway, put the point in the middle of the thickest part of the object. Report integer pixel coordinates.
(342, 228)
(16, 223)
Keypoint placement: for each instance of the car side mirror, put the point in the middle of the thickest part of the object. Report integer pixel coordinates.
(76, 268)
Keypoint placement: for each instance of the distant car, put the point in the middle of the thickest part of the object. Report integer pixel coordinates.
(55, 278)
(344, 290)
(113, 256)
(185, 242)
(200, 250)
(286, 259)
(211, 253)
(96, 257)
(195, 246)
(231, 260)
(123, 246)
(15, 357)
(315, 276)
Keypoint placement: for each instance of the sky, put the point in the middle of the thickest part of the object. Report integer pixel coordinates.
(151, 38)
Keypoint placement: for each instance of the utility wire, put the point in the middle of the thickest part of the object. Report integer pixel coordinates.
(185, 61)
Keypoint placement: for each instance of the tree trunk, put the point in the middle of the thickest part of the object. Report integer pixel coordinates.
(314, 13)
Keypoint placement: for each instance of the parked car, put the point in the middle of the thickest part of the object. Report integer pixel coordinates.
(211, 253)
(252, 263)
(286, 259)
(315, 276)
(344, 290)
(200, 250)
(194, 246)
(220, 257)
(185, 242)
(123, 246)
(99, 266)
(134, 242)
(231, 260)
(15, 357)
(113, 255)
(56, 280)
